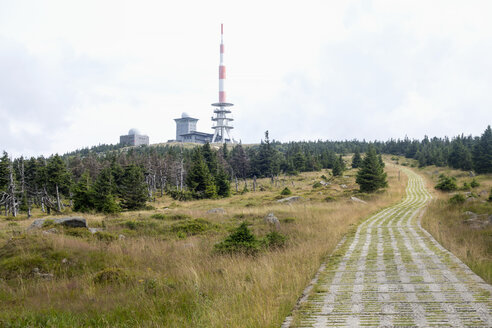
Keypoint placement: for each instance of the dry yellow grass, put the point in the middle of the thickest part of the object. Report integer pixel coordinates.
(176, 282)
(446, 221)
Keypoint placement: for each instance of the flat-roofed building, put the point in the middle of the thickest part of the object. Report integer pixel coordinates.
(134, 138)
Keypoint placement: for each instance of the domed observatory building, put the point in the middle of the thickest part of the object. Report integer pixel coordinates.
(134, 138)
(186, 130)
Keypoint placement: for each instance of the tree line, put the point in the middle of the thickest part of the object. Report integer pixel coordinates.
(109, 178)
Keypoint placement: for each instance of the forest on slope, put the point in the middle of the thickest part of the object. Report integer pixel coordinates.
(128, 177)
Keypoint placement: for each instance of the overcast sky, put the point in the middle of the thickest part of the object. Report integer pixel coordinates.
(81, 73)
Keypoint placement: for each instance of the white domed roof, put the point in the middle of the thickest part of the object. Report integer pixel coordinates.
(133, 131)
(185, 115)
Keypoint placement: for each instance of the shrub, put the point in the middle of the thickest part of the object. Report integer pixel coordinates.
(191, 227)
(330, 199)
(275, 240)
(457, 199)
(110, 276)
(182, 195)
(158, 216)
(317, 185)
(288, 220)
(465, 187)
(324, 177)
(241, 240)
(474, 183)
(446, 183)
(286, 192)
(132, 225)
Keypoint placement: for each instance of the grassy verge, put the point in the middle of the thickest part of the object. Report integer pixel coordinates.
(449, 224)
(164, 271)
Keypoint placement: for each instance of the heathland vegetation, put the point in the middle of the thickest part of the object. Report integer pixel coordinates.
(214, 237)
(200, 263)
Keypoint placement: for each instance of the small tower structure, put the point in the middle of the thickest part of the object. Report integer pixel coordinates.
(184, 125)
(222, 122)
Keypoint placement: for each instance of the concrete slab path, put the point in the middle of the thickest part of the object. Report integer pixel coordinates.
(394, 273)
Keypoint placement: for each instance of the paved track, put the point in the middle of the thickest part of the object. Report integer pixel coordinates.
(394, 273)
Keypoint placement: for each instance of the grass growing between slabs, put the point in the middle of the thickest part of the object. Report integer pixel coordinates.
(448, 223)
(160, 267)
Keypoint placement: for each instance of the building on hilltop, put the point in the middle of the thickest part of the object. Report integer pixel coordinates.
(134, 138)
(186, 130)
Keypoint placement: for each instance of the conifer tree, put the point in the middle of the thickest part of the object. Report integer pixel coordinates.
(4, 171)
(210, 158)
(222, 183)
(83, 195)
(482, 153)
(337, 168)
(58, 179)
(239, 162)
(199, 180)
(299, 161)
(371, 175)
(133, 188)
(381, 162)
(104, 200)
(460, 156)
(267, 162)
(342, 163)
(356, 159)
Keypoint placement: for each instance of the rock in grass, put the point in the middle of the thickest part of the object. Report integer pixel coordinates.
(289, 199)
(216, 211)
(50, 231)
(71, 222)
(36, 224)
(343, 186)
(357, 200)
(273, 220)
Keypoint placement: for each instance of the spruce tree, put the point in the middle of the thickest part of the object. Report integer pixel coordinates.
(342, 163)
(83, 195)
(133, 189)
(482, 153)
(210, 158)
(460, 156)
(104, 200)
(58, 179)
(337, 168)
(356, 159)
(371, 175)
(267, 161)
(199, 180)
(222, 183)
(4, 171)
(299, 161)
(239, 162)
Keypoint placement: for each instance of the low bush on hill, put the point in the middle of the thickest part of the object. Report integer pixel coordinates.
(446, 183)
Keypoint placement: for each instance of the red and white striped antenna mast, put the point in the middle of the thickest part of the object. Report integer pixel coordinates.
(222, 124)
